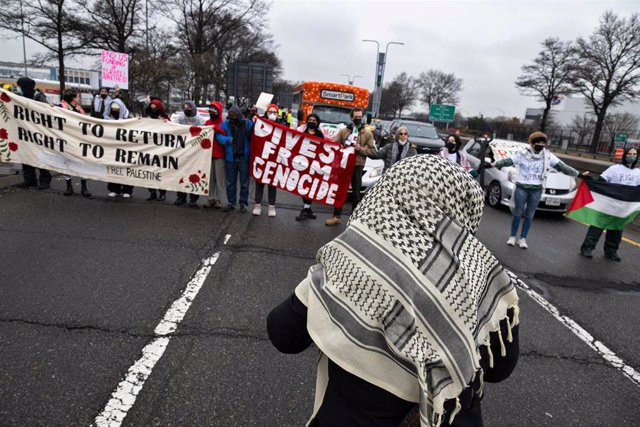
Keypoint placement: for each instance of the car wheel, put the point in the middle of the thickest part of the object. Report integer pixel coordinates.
(494, 195)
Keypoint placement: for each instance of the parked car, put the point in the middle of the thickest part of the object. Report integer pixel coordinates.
(422, 134)
(560, 189)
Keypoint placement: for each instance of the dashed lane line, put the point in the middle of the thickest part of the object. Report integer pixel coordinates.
(124, 396)
(609, 356)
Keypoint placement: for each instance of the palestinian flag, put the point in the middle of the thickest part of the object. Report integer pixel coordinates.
(604, 205)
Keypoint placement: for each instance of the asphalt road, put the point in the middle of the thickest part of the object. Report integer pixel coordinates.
(85, 282)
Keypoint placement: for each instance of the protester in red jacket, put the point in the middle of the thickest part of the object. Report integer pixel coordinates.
(217, 182)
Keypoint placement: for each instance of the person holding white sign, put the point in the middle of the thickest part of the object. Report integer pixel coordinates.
(532, 167)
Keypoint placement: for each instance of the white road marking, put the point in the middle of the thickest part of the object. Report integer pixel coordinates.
(124, 396)
(226, 238)
(609, 356)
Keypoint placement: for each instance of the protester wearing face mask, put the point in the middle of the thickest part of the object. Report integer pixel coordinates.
(312, 127)
(156, 110)
(100, 103)
(452, 152)
(624, 173)
(116, 110)
(532, 167)
(189, 117)
(217, 188)
(27, 88)
(71, 101)
(401, 148)
(361, 139)
(237, 149)
(271, 114)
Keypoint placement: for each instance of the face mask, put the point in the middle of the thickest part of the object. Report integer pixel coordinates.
(154, 113)
(451, 146)
(103, 96)
(188, 113)
(272, 116)
(213, 115)
(115, 114)
(357, 122)
(538, 147)
(312, 125)
(630, 159)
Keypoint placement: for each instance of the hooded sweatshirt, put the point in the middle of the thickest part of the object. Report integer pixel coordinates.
(236, 140)
(217, 151)
(124, 112)
(28, 87)
(192, 121)
(160, 107)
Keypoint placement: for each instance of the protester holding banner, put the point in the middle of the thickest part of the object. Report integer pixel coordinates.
(625, 174)
(189, 117)
(312, 127)
(217, 187)
(532, 166)
(272, 114)
(400, 149)
(27, 88)
(156, 110)
(410, 311)
(354, 134)
(71, 101)
(118, 111)
(237, 151)
(100, 103)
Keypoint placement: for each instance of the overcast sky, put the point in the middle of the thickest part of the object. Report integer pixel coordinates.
(483, 42)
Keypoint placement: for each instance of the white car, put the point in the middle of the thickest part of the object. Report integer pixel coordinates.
(560, 189)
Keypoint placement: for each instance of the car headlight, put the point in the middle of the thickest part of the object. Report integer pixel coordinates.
(573, 185)
(375, 172)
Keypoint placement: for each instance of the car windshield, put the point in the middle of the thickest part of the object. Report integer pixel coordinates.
(421, 131)
(332, 114)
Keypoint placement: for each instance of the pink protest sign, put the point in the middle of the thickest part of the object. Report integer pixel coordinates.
(115, 69)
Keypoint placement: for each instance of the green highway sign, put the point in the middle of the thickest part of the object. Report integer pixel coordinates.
(442, 113)
(620, 137)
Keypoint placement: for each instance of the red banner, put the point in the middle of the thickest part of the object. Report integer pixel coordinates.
(300, 163)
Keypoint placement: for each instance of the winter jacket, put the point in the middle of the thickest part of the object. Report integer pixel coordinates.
(386, 153)
(196, 120)
(227, 138)
(462, 158)
(124, 112)
(217, 151)
(365, 140)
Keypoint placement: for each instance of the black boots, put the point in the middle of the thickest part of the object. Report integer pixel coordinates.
(69, 190)
(306, 213)
(83, 189)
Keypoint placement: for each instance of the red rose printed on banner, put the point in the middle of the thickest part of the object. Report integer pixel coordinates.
(4, 134)
(205, 143)
(13, 146)
(195, 130)
(202, 137)
(4, 111)
(196, 182)
(6, 147)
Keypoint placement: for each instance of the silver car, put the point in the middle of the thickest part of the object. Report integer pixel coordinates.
(560, 189)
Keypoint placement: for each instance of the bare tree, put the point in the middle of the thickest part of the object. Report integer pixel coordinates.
(50, 23)
(399, 94)
(438, 87)
(110, 24)
(621, 123)
(550, 75)
(609, 71)
(582, 126)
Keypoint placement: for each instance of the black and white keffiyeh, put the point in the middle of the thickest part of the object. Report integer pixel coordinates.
(406, 295)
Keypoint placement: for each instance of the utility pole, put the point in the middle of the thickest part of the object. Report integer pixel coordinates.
(380, 64)
(24, 45)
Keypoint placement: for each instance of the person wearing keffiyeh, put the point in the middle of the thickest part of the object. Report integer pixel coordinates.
(410, 311)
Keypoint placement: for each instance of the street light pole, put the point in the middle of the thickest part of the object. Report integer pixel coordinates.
(24, 46)
(380, 65)
(350, 79)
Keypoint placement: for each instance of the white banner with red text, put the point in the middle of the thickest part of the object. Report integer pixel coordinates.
(300, 163)
(140, 152)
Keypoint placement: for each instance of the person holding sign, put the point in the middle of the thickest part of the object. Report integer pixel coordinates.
(71, 101)
(217, 172)
(532, 166)
(271, 114)
(312, 127)
(118, 111)
(354, 134)
(156, 110)
(237, 148)
(189, 117)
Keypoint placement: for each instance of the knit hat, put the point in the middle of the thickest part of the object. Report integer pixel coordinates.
(274, 106)
(537, 136)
